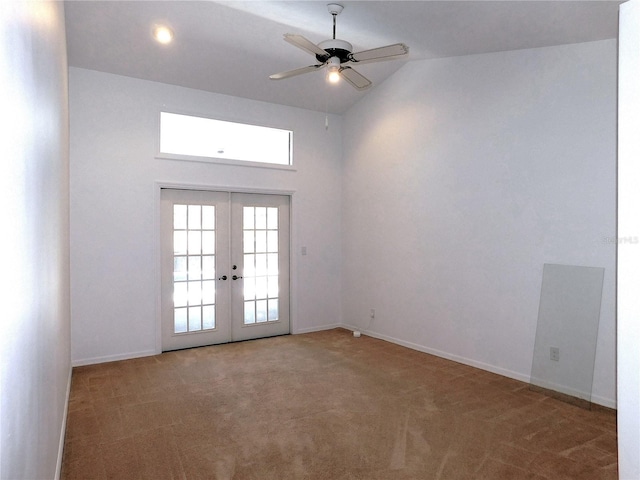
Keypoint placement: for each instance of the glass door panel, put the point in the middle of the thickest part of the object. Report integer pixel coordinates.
(261, 247)
(225, 267)
(194, 269)
(260, 235)
(195, 247)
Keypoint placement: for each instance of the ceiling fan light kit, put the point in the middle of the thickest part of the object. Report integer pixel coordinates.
(337, 55)
(333, 65)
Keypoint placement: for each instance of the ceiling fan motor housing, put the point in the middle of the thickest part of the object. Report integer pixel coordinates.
(335, 48)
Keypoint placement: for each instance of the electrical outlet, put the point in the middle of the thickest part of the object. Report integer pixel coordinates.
(372, 313)
(555, 354)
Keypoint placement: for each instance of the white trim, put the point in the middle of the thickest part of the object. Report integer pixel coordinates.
(223, 161)
(157, 245)
(572, 392)
(456, 358)
(159, 185)
(606, 402)
(293, 265)
(112, 358)
(63, 428)
(317, 329)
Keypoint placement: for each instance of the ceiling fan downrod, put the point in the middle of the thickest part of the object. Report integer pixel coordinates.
(334, 10)
(334, 25)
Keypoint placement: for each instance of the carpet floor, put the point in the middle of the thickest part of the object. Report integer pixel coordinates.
(323, 405)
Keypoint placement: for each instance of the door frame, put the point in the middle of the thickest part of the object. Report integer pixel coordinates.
(157, 254)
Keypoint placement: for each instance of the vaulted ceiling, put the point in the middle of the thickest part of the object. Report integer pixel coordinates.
(231, 47)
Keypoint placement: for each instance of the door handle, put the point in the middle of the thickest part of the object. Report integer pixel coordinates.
(223, 277)
(235, 277)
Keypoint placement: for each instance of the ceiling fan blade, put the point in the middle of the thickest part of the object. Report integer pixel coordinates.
(356, 80)
(380, 53)
(305, 44)
(297, 71)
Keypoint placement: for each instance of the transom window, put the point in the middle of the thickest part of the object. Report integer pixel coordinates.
(208, 138)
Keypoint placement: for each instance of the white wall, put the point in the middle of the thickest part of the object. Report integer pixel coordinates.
(34, 195)
(462, 177)
(629, 249)
(114, 211)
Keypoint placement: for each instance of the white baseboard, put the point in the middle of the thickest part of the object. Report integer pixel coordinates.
(572, 392)
(63, 429)
(606, 402)
(112, 358)
(317, 329)
(456, 358)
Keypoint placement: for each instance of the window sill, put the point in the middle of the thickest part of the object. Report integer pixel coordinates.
(223, 161)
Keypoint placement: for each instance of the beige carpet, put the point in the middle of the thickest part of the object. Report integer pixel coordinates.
(323, 406)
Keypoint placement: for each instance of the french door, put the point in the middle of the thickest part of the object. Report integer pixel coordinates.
(225, 267)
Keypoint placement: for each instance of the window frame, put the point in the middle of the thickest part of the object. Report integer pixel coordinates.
(219, 160)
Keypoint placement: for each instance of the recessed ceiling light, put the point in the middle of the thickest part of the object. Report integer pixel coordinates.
(163, 34)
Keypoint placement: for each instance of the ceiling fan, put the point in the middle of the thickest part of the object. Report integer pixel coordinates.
(337, 56)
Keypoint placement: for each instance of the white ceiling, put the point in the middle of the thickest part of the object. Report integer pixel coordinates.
(231, 47)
